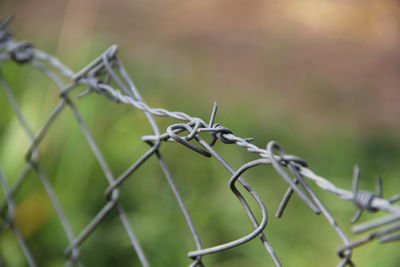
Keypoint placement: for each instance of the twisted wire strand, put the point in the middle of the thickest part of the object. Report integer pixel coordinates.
(323, 183)
(106, 70)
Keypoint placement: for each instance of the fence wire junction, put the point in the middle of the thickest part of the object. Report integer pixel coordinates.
(107, 76)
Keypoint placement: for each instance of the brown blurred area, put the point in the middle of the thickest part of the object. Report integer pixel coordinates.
(316, 60)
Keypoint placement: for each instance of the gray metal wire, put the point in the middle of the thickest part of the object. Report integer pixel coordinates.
(98, 77)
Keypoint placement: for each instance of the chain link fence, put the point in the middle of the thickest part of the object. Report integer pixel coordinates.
(106, 76)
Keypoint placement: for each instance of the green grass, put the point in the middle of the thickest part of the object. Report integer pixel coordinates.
(300, 238)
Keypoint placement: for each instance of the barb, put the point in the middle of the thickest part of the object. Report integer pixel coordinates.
(107, 76)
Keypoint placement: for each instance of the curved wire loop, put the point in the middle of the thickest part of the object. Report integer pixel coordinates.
(184, 141)
(260, 203)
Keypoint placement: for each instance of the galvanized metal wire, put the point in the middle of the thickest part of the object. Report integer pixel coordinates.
(98, 77)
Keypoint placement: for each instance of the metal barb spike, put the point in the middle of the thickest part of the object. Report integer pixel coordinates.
(4, 23)
(363, 199)
(379, 186)
(213, 114)
(356, 180)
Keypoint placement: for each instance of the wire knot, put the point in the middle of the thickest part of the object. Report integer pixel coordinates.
(22, 52)
(93, 84)
(219, 132)
(364, 199)
(176, 128)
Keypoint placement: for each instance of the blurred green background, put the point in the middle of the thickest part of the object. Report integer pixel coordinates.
(319, 77)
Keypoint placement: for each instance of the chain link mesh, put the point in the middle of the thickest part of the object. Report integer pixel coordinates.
(98, 77)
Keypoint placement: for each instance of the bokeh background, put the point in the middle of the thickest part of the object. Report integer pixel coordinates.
(319, 77)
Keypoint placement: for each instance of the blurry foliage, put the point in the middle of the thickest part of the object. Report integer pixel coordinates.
(316, 111)
(153, 211)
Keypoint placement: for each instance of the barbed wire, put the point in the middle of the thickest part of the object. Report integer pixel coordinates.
(107, 76)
